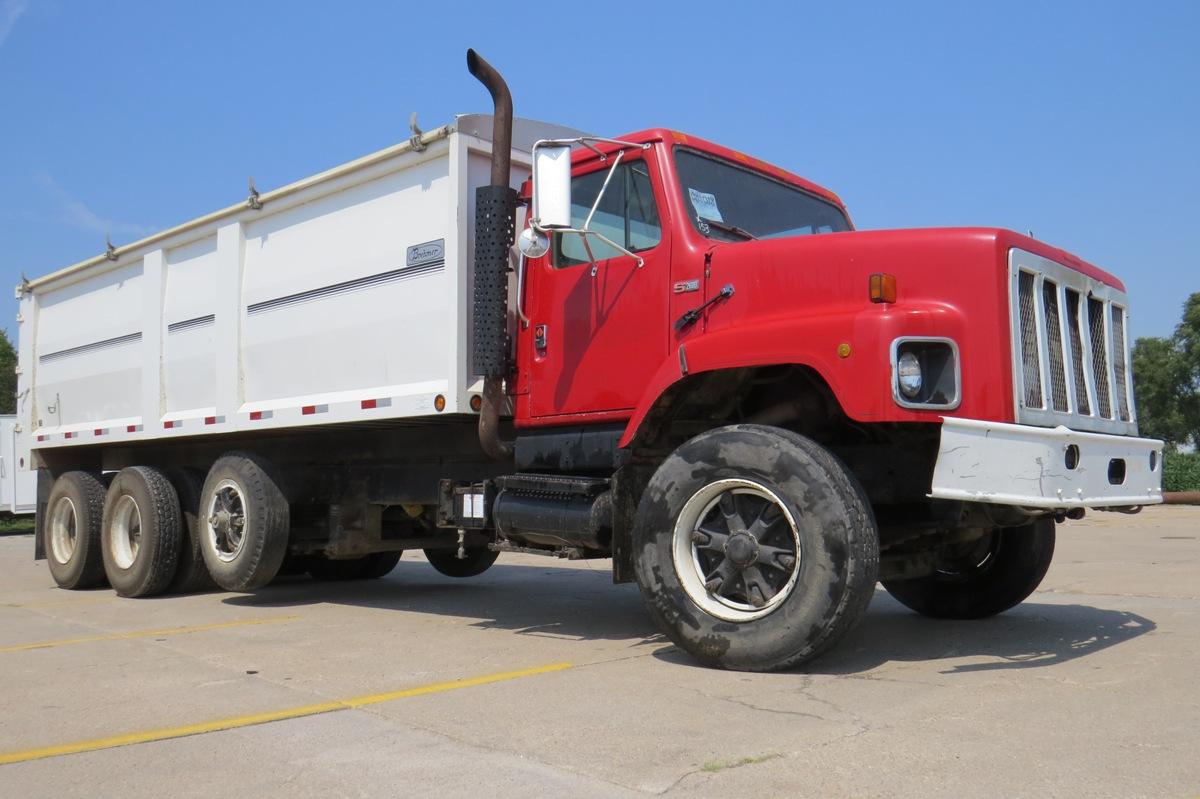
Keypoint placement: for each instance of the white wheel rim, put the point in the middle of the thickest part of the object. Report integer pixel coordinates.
(125, 531)
(758, 563)
(63, 530)
(225, 521)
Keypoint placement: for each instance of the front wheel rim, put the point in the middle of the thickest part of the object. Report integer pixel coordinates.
(64, 530)
(226, 520)
(736, 550)
(125, 531)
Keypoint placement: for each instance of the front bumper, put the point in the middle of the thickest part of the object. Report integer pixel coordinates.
(1012, 464)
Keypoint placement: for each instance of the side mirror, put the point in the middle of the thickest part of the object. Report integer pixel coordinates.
(552, 186)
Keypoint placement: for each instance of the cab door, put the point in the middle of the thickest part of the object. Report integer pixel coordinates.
(597, 332)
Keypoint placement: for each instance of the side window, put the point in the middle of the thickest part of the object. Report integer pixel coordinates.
(627, 215)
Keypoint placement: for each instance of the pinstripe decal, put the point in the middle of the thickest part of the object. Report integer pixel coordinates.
(128, 338)
(188, 324)
(350, 285)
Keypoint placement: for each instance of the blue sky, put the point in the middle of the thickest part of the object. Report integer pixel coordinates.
(1078, 121)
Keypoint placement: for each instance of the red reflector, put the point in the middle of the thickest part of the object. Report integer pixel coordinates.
(168, 425)
(369, 404)
(98, 431)
(68, 435)
(308, 410)
(255, 415)
(41, 438)
(210, 420)
(131, 428)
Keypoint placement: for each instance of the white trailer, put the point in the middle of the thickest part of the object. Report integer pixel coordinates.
(18, 483)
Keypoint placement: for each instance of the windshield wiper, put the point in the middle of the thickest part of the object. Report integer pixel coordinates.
(728, 228)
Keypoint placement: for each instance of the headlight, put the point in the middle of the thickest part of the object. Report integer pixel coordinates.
(908, 374)
(925, 373)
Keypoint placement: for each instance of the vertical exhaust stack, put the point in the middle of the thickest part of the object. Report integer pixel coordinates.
(495, 223)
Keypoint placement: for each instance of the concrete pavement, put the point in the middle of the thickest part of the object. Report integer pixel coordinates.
(1090, 688)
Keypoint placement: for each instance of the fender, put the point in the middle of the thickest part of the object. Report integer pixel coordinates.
(859, 378)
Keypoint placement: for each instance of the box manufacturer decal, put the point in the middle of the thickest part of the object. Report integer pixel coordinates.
(427, 253)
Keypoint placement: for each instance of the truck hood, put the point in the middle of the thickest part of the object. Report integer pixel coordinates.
(908, 247)
(806, 300)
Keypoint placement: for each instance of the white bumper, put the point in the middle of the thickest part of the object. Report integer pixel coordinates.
(1011, 464)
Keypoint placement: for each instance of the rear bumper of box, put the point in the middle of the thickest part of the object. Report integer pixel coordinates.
(1011, 464)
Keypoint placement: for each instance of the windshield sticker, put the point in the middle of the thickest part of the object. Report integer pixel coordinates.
(705, 205)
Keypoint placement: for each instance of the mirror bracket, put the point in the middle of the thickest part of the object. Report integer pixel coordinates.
(584, 232)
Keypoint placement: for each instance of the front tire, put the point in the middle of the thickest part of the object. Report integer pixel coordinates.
(141, 534)
(755, 548)
(477, 561)
(999, 573)
(368, 567)
(71, 530)
(244, 522)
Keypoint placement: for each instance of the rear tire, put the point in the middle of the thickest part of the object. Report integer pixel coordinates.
(140, 534)
(244, 521)
(191, 575)
(477, 561)
(71, 530)
(755, 548)
(1008, 568)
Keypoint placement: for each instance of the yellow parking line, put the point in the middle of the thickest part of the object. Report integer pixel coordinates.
(199, 628)
(263, 718)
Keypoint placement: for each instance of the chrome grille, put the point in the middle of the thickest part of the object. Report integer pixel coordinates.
(1058, 375)
(1070, 356)
(1099, 356)
(1029, 346)
(1081, 393)
(1118, 339)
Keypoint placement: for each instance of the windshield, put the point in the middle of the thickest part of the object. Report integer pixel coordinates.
(733, 203)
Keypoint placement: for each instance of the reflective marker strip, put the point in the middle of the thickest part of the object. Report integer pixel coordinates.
(263, 718)
(171, 424)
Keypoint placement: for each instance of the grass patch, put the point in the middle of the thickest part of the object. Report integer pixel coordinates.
(1181, 471)
(15, 524)
(713, 766)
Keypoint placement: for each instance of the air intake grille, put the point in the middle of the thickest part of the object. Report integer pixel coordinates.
(1058, 375)
(1118, 338)
(1031, 363)
(1099, 356)
(1081, 392)
(1070, 351)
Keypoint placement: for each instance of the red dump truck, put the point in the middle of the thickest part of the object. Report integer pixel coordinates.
(690, 363)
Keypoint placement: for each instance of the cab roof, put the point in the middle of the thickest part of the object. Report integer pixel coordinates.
(675, 137)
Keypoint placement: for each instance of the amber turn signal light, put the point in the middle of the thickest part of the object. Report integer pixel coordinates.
(883, 287)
